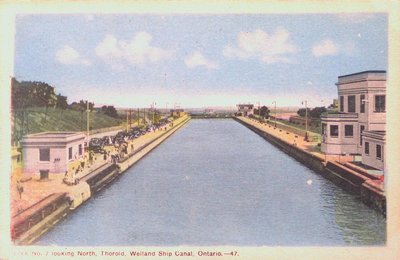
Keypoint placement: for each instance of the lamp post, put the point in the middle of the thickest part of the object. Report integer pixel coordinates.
(87, 132)
(138, 116)
(153, 110)
(306, 137)
(87, 119)
(274, 102)
(127, 122)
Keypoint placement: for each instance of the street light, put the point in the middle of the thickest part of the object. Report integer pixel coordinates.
(87, 119)
(274, 102)
(153, 110)
(87, 132)
(306, 137)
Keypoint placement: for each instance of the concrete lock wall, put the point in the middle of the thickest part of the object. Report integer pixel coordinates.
(353, 182)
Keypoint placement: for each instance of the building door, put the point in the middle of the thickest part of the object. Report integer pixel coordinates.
(44, 174)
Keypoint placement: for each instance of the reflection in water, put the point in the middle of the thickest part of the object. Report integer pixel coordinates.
(214, 182)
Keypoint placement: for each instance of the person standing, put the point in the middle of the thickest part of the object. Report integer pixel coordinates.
(20, 189)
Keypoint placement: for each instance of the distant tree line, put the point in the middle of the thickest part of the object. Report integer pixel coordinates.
(316, 112)
(33, 94)
(81, 106)
(110, 111)
(26, 94)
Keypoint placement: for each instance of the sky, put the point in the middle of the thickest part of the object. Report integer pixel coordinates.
(198, 60)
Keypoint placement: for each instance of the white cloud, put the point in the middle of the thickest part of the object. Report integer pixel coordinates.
(325, 48)
(137, 51)
(268, 48)
(69, 56)
(197, 59)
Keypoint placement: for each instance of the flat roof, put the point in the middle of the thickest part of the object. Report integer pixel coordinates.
(363, 72)
(55, 134)
(381, 135)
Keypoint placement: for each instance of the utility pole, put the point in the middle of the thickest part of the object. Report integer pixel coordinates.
(81, 119)
(87, 119)
(130, 118)
(138, 116)
(127, 122)
(306, 137)
(144, 115)
(275, 112)
(152, 108)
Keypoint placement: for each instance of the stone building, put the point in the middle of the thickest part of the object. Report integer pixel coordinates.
(362, 107)
(373, 153)
(50, 152)
(245, 109)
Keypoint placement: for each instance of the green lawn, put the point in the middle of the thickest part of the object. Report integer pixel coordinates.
(313, 129)
(36, 121)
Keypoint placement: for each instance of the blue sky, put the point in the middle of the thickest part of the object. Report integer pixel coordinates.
(198, 60)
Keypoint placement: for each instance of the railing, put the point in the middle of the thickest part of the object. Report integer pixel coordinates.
(106, 129)
(340, 115)
(298, 131)
(24, 220)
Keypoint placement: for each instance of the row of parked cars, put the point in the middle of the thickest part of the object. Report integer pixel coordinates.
(97, 144)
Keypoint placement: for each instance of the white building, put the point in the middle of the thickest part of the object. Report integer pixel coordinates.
(51, 152)
(245, 109)
(362, 107)
(373, 153)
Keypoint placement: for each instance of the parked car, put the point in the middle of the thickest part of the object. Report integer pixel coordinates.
(96, 145)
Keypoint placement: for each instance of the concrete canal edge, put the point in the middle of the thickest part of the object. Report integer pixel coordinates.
(145, 149)
(86, 189)
(349, 180)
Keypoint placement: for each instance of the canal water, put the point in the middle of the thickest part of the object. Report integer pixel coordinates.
(215, 182)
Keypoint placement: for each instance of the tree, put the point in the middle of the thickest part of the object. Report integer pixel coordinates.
(32, 94)
(264, 111)
(62, 102)
(314, 113)
(75, 106)
(27, 94)
(110, 111)
(317, 111)
(81, 106)
(302, 112)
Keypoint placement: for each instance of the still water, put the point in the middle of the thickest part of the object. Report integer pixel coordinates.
(214, 182)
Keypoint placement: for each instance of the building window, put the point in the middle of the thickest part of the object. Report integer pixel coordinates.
(341, 103)
(80, 149)
(366, 148)
(334, 129)
(379, 152)
(380, 103)
(351, 104)
(44, 155)
(361, 130)
(70, 153)
(348, 130)
(362, 104)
